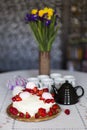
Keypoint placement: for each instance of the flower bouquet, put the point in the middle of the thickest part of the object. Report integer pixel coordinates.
(44, 25)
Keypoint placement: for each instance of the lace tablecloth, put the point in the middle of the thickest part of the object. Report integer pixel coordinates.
(77, 120)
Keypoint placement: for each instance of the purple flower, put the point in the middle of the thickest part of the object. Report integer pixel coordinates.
(34, 17)
(28, 18)
(47, 22)
(31, 17)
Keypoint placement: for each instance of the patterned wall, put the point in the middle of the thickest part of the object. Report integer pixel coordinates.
(18, 49)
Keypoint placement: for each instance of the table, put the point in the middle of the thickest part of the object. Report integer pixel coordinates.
(77, 120)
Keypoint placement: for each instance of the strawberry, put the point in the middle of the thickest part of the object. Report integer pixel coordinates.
(45, 90)
(35, 90)
(52, 100)
(13, 99)
(51, 110)
(26, 90)
(48, 100)
(55, 106)
(40, 92)
(41, 98)
(21, 114)
(13, 110)
(42, 112)
(27, 115)
(50, 113)
(31, 91)
(67, 111)
(36, 115)
(18, 98)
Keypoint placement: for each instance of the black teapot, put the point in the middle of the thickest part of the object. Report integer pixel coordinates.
(67, 94)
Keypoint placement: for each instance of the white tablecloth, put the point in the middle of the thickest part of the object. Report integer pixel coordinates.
(77, 120)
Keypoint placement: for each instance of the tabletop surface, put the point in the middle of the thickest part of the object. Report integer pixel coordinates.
(77, 120)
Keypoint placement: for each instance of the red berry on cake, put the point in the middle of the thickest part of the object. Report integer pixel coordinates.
(52, 110)
(13, 99)
(40, 92)
(26, 90)
(45, 90)
(21, 114)
(36, 115)
(47, 100)
(42, 112)
(27, 115)
(50, 113)
(18, 98)
(52, 100)
(41, 98)
(35, 90)
(55, 106)
(13, 110)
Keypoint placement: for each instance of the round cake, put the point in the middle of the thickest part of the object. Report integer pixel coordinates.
(32, 104)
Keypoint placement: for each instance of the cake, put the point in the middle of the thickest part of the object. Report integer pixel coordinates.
(32, 104)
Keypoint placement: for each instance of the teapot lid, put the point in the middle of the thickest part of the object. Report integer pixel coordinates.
(66, 84)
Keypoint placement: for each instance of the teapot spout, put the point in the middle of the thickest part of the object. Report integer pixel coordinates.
(55, 90)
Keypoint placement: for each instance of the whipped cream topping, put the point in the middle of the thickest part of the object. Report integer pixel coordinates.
(30, 85)
(24, 95)
(31, 105)
(17, 90)
(47, 95)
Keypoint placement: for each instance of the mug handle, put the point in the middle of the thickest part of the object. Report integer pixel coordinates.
(80, 87)
(40, 85)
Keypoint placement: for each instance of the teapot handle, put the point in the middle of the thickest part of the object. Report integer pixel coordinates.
(79, 87)
(55, 89)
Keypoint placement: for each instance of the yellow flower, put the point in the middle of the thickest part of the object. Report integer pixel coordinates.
(41, 13)
(46, 10)
(49, 17)
(34, 11)
(50, 12)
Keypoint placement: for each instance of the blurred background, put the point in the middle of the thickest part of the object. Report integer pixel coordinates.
(18, 49)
